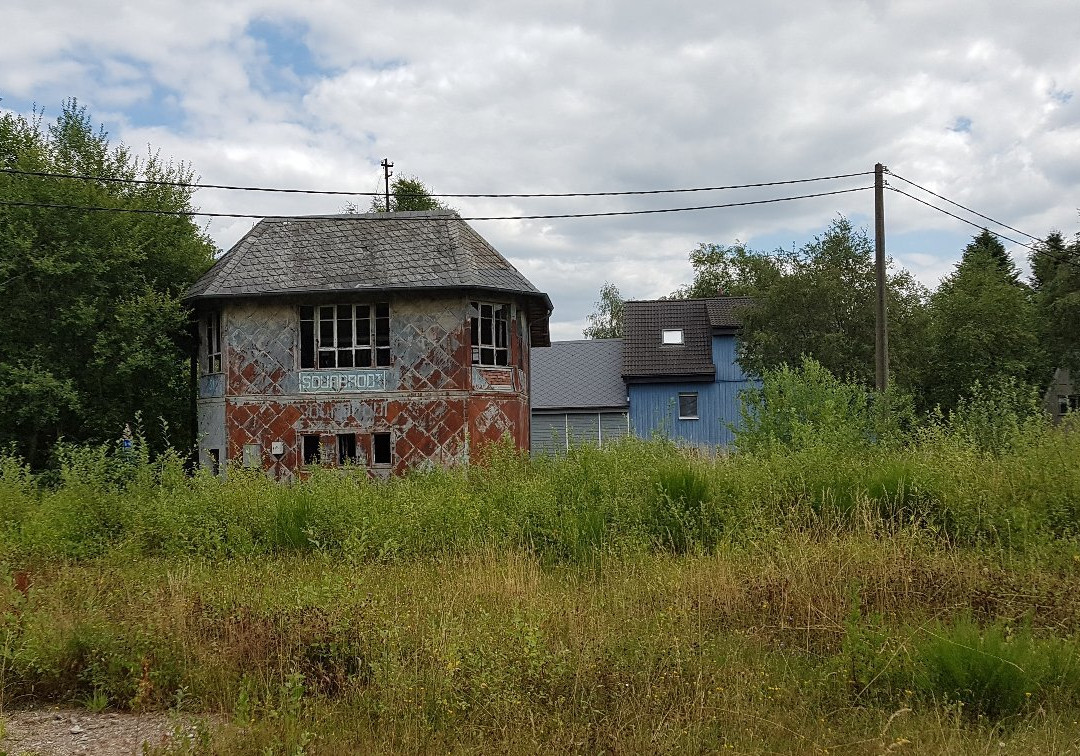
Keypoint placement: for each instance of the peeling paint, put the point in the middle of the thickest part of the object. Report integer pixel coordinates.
(437, 407)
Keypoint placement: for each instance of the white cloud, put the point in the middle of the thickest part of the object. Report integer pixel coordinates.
(564, 96)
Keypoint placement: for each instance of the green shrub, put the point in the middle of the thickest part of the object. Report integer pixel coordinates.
(994, 670)
(804, 407)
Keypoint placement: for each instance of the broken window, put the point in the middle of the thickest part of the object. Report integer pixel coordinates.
(490, 334)
(688, 409)
(212, 341)
(345, 336)
(252, 455)
(1074, 402)
(311, 450)
(380, 449)
(346, 448)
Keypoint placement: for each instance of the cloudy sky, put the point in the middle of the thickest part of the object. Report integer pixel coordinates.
(974, 100)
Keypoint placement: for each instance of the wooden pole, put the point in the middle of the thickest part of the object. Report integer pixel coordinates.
(882, 341)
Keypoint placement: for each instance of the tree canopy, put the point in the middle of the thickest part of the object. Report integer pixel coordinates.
(817, 301)
(407, 193)
(1055, 280)
(94, 333)
(981, 326)
(606, 321)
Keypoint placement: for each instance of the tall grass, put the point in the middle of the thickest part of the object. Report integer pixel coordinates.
(629, 497)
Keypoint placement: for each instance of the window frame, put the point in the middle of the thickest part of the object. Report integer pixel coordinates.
(375, 444)
(346, 443)
(677, 334)
(342, 325)
(213, 363)
(306, 457)
(684, 415)
(493, 348)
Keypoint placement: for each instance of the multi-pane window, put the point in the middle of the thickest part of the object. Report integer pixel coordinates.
(688, 406)
(213, 342)
(345, 336)
(490, 334)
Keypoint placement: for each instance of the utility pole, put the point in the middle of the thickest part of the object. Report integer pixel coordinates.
(881, 353)
(387, 173)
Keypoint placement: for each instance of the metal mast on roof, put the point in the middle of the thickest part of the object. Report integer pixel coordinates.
(387, 173)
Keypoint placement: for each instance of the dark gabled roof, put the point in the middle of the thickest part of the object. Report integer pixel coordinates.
(645, 357)
(372, 252)
(724, 312)
(578, 375)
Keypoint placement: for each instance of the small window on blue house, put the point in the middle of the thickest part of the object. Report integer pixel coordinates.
(671, 336)
(688, 406)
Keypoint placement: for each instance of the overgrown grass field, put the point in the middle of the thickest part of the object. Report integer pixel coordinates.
(807, 593)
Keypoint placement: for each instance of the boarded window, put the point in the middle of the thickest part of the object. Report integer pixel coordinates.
(346, 448)
(380, 449)
(252, 455)
(688, 409)
(490, 334)
(345, 336)
(212, 341)
(311, 451)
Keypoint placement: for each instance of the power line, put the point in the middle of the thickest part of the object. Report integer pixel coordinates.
(968, 209)
(963, 220)
(1064, 260)
(341, 193)
(392, 216)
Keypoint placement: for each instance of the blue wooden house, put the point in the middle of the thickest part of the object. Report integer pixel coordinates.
(679, 366)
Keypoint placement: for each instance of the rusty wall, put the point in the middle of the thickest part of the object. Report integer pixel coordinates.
(211, 429)
(431, 399)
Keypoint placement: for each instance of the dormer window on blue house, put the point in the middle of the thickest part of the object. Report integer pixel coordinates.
(671, 336)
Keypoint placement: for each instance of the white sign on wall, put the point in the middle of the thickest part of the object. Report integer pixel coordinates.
(343, 381)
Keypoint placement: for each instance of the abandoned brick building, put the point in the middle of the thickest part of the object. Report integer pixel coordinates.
(386, 340)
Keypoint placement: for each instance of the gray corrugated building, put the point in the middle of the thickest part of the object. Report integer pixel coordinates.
(578, 394)
(384, 340)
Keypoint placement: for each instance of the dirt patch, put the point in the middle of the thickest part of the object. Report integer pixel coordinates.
(60, 732)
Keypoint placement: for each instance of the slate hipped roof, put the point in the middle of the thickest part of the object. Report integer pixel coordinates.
(371, 252)
(645, 357)
(578, 375)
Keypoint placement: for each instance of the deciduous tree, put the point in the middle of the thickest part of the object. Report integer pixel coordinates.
(407, 193)
(605, 322)
(817, 301)
(93, 331)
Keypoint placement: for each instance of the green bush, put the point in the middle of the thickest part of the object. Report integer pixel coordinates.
(805, 407)
(994, 670)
